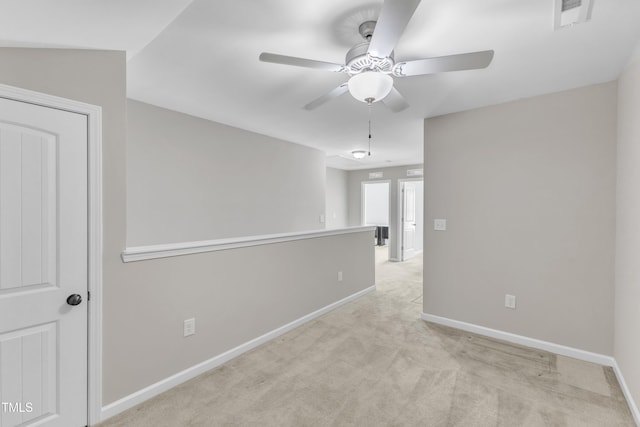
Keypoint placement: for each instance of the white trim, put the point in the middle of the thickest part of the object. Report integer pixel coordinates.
(400, 222)
(587, 356)
(400, 225)
(401, 182)
(95, 265)
(627, 393)
(575, 353)
(94, 262)
(140, 253)
(161, 386)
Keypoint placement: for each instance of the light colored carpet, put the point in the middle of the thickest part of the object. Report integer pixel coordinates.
(373, 362)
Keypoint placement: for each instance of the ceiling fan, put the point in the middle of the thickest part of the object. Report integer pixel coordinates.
(371, 64)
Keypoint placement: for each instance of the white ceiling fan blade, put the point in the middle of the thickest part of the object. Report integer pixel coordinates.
(463, 61)
(393, 19)
(301, 62)
(343, 88)
(395, 101)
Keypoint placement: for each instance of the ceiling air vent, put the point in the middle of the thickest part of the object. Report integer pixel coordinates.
(570, 4)
(571, 12)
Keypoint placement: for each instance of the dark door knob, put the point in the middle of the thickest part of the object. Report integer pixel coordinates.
(74, 299)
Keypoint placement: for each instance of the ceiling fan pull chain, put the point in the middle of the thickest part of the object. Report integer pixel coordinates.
(370, 105)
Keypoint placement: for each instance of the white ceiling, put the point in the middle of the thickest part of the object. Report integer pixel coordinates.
(127, 25)
(201, 57)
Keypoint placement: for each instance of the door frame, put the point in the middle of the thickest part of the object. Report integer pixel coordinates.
(400, 218)
(94, 231)
(363, 184)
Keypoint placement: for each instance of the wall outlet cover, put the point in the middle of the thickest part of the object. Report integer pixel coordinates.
(440, 224)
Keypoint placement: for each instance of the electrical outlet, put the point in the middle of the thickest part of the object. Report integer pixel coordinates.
(339, 276)
(510, 301)
(440, 224)
(189, 327)
(321, 218)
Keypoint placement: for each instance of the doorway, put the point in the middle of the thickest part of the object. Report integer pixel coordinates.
(50, 259)
(375, 212)
(411, 217)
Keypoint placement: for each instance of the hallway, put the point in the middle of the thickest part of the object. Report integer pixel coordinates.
(373, 362)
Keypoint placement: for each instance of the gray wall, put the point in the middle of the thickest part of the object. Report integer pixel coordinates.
(337, 198)
(191, 179)
(142, 334)
(528, 190)
(235, 296)
(356, 178)
(627, 290)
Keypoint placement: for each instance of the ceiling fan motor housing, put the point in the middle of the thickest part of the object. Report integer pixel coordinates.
(358, 60)
(366, 29)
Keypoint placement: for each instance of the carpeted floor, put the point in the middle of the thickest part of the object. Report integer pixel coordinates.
(373, 362)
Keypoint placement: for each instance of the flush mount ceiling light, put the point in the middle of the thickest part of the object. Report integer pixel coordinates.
(370, 86)
(359, 154)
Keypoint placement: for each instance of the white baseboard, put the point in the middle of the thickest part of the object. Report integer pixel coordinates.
(146, 393)
(587, 356)
(627, 393)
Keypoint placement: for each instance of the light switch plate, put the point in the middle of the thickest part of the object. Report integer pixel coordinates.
(510, 301)
(189, 327)
(440, 224)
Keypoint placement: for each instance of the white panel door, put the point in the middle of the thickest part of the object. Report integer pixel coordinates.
(408, 220)
(43, 261)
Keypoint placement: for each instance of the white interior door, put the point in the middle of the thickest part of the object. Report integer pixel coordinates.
(43, 261)
(408, 247)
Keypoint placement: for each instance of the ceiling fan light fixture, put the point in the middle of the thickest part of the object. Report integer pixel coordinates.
(371, 64)
(359, 154)
(370, 86)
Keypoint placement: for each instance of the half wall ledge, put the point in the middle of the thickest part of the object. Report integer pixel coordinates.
(142, 253)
